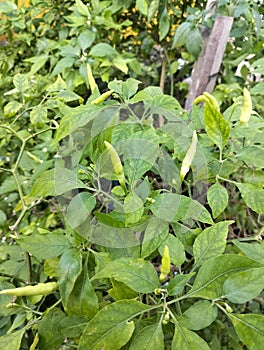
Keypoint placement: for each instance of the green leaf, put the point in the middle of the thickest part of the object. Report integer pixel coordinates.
(153, 8)
(103, 50)
(82, 8)
(75, 118)
(137, 274)
(44, 185)
(58, 85)
(126, 89)
(65, 180)
(213, 273)
(2, 218)
(258, 66)
(252, 155)
(104, 330)
(217, 128)
(68, 96)
(253, 197)
(133, 208)
(147, 94)
(118, 191)
(164, 24)
(50, 335)
(142, 5)
(181, 34)
(45, 246)
(121, 63)
(168, 170)
(150, 337)
(139, 155)
(250, 329)
(72, 326)
(69, 268)
(254, 177)
(39, 116)
(7, 6)
(52, 183)
(187, 340)
(177, 252)
(164, 103)
(38, 62)
(199, 315)
(121, 291)
(156, 231)
(21, 82)
(83, 300)
(244, 285)
(178, 282)
(172, 207)
(194, 42)
(85, 39)
(6, 299)
(211, 242)
(217, 197)
(83, 203)
(11, 109)
(65, 62)
(254, 251)
(12, 340)
(258, 89)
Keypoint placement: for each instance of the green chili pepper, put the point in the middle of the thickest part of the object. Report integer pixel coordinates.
(90, 76)
(246, 109)
(102, 97)
(187, 161)
(35, 342)
(38, 289)
(165, 264)
(117, 165)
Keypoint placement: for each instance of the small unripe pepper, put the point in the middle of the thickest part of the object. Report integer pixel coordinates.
(246, 109)
(38, 289)
(102, 97)
(187, 161)
(165, 264)
(117, 165)
(90, 77)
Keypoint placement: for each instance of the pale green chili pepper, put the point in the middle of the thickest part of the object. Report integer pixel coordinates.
(90, 77)
(246, 109)
(187, 161)
(38, 289)
(102, 97)
(165, 264)
(117, 165)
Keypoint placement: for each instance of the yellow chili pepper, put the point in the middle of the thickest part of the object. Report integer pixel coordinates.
(90, 76)
(102, 97)
(38, 289)
(117, 165)
(165, 264)
(187, 161)
(35, 342)
(247, 108)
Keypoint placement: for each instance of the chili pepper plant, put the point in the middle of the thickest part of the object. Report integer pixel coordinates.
(150, 247)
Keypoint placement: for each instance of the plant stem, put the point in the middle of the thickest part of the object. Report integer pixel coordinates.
(29, 267)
